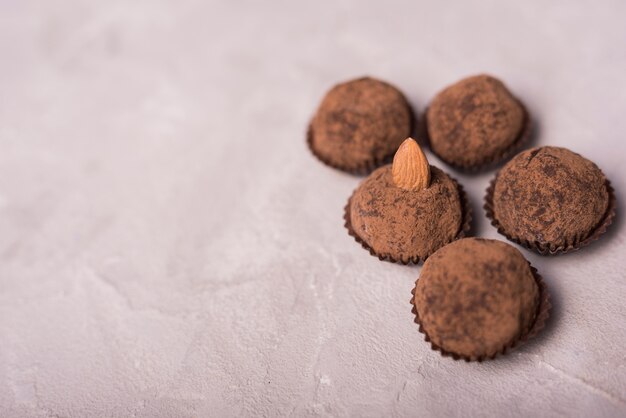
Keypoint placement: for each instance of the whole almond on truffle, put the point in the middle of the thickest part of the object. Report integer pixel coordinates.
(410, 169)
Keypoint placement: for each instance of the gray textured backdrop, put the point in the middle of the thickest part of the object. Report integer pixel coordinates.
(168, 247)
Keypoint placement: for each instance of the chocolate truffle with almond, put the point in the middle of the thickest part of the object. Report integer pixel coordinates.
(550, 200)
(476, 298)
(405, 211)
(476, 122)
(359, 125)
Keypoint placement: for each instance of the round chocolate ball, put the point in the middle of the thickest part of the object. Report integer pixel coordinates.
(359, 125)
(475, 122)
(403, 225)
(475, 297)
(549, 198)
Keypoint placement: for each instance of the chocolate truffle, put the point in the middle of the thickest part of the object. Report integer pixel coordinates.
(476, 297)
(406, 211)
(359, 125)
(550, 199)
(475, 122)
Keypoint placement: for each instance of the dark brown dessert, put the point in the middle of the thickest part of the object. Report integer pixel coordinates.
(550, 199)
(475, 122)
(406, 211)
(359, 125)
(476, 298)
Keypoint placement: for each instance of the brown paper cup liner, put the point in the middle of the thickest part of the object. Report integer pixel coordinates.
(487, 163)
(463, 231)
(368, 166)
(543, 312)
(553, 249)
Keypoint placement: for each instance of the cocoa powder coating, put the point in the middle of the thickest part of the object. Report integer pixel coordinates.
(359, 124)
(474, 122)
(550, 195)
(404, 224)
(475, 296)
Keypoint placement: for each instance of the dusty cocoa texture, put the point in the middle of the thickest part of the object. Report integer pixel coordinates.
(476, 296)
(474, 122)
(404, 224)
(550, 195)
(359, 124)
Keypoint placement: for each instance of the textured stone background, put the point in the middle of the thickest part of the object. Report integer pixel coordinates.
(168, 247)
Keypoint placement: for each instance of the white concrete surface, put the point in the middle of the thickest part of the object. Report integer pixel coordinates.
(168, 247)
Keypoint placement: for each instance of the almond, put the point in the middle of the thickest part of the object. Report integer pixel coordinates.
(410, 169)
